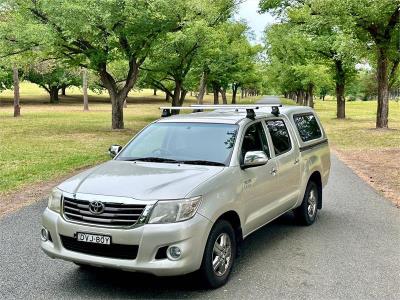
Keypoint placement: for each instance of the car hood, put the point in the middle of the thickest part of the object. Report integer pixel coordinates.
(140, 180)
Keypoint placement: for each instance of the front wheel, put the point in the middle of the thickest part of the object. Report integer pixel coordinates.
(306, 213)
(219, 254)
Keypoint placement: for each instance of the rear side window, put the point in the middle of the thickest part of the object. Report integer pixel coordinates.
(308, 127)
(280, 136)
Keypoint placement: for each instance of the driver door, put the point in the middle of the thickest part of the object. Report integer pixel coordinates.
(258, 191)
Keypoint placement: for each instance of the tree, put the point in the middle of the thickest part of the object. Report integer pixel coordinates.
(17, 109)
(375, 23)
(94, 34)
(173, 57)
(10, 68)
(226, 61)
(85, 90)
(324, 38)
(380, 19)
(298, 71)
(52, 77)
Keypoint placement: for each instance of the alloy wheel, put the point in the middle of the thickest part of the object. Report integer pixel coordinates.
(222, 254)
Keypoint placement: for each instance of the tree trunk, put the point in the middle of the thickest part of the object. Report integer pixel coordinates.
(297, 97)
(167, 97)
(54, 94)
(118, 95)
(202, 88)
(340, 89)
(177, 96)
(383, 90)
(125, 103)
(301, 97)
(154, 92)
(216, 94)
(85, 90)
(117, 103)
(310, 95)
(234, 93)
(183, 96)
(17, 108)
(63, 91)
(223, 94)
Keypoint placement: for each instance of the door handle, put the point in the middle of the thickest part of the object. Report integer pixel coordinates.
(296, 161)
(273, 172)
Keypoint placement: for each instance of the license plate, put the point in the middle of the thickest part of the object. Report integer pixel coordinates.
(93, 238)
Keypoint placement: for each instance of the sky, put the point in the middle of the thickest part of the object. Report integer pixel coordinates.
(248, 11)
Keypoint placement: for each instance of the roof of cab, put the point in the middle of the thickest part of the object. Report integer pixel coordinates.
(233, 116)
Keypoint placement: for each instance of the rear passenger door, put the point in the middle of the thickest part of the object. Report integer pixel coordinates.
(286, 156)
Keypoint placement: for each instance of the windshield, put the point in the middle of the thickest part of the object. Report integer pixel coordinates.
(195, 143)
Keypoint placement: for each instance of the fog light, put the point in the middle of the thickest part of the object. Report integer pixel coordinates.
(174, 253)
(44, 234)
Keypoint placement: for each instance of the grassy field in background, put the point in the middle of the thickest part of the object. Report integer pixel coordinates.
(357, 131)
(48, 141)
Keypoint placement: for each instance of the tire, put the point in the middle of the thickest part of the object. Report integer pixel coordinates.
(221, 235)
(306, 213)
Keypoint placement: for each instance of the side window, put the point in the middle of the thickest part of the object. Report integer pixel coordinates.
(308, 127)
(255, 140)
(279, 135)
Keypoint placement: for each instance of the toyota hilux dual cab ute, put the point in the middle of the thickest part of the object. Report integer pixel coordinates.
(188, 189)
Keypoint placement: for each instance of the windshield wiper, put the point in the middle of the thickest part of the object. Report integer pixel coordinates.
(155, 159)
(174, 161)
(202, 162)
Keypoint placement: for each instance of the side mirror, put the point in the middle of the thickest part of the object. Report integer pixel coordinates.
(254, 159)
(114, 150)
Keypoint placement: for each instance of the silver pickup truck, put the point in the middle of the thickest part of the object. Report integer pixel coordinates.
(186, 191)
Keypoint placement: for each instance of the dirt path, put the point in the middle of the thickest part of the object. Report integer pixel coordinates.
(382, 171)
(27, 195)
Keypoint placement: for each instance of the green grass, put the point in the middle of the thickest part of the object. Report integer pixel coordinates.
(48, 141)
(357, 131)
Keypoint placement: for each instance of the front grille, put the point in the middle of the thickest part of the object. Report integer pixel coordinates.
(114, 214)
(111, 251)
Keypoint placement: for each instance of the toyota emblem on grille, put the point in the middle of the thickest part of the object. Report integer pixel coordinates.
(96, 207)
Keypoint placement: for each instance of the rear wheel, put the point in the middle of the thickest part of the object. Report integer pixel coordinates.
(219, 254)
(306, 213)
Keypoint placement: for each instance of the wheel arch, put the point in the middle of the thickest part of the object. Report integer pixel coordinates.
(233, 218)
(317, 179)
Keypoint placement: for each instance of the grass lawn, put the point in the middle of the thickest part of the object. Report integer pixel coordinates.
(49, 141)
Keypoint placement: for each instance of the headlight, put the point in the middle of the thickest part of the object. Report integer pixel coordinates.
(174, 211)
(55, 200)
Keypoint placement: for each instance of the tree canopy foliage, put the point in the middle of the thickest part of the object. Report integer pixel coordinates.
(171, 45)
(338, 34)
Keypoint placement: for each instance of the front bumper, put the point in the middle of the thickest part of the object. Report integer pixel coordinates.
(190, 236)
